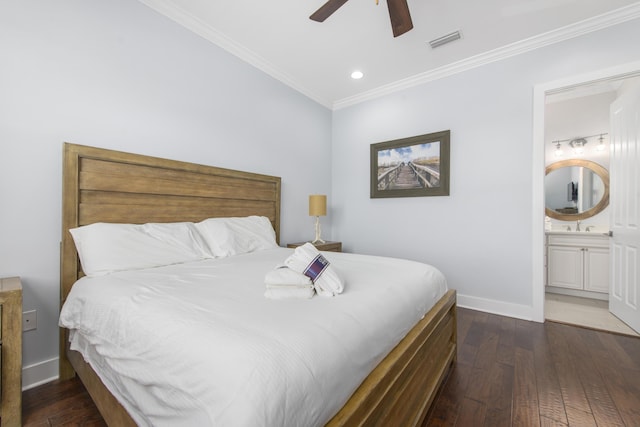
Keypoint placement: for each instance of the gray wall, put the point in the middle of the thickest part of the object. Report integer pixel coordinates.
(116, 74)
(481, 235)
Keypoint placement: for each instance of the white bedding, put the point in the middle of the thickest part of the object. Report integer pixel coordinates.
(199, 344)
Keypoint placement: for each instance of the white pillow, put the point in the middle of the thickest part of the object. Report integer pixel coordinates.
(232, 236)
(106, 248)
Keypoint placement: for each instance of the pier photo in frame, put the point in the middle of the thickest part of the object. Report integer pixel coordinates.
(411, 167)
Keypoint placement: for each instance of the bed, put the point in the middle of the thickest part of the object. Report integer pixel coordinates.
(115, 187)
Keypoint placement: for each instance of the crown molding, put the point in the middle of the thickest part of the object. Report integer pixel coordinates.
(192, 23)
(187, 20)
(586, 26)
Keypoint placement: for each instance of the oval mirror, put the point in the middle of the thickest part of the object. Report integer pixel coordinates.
(575, 189)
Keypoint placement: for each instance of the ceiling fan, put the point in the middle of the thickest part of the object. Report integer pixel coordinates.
(398, 12)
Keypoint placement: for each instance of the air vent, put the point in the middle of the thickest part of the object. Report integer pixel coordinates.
(445, 39)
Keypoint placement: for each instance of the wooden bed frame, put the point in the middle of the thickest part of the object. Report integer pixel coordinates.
(110, 186)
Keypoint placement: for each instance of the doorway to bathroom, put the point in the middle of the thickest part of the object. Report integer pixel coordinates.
(573, 125)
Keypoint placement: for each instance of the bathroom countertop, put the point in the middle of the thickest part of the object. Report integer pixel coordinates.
(579, 233)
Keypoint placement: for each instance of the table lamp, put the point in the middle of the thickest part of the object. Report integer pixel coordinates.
(317, 208)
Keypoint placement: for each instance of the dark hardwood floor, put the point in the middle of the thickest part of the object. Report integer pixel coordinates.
(59, 403)
(509, 372)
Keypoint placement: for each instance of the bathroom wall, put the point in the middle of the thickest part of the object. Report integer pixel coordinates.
(579, 116)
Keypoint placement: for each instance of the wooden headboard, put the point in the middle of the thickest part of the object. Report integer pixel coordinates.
(102, 185)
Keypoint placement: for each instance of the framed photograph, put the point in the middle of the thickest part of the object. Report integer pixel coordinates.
(411, 167)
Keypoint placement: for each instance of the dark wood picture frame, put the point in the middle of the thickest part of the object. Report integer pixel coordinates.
(417, 166)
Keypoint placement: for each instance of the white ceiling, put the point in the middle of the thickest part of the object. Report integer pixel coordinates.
(317, 59)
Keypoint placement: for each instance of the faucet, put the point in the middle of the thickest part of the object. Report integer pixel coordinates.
(578, 225)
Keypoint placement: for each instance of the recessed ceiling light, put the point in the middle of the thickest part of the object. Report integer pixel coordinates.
(356, 75)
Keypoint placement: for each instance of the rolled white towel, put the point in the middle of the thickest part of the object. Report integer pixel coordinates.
(307, 260)
(283, 275)
(290, 291)
(284, 283)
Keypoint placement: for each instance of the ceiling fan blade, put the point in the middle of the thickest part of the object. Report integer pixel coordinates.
(327, 10)
(400, 17)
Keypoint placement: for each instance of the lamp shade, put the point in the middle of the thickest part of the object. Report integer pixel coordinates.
(317, 205)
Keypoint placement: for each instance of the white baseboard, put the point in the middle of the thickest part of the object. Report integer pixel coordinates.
(518, 311)
(39, 373)
(578, 293)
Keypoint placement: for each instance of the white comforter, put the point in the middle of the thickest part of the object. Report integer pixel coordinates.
(199, 344)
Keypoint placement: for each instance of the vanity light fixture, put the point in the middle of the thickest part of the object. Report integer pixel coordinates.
(558, 151)
(578, 144)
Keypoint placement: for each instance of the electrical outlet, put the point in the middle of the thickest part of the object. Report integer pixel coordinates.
(29, 321)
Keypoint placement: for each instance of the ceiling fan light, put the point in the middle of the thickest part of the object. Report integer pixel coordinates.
(448, 38)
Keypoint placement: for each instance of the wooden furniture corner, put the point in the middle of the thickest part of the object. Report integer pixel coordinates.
(11, 365)
(326, 246)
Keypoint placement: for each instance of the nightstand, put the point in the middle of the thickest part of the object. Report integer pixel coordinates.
(326, 246)
(11, 363)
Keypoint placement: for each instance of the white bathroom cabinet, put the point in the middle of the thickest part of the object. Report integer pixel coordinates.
(578, 261)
